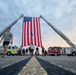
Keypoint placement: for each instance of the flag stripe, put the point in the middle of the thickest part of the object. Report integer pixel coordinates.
(37, 31)
(40, 34)
(25, 31)
(23, 35)
(34, 32)
(29, 33)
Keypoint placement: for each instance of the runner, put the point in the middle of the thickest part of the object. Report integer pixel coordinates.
(32, 49)
(8, 38)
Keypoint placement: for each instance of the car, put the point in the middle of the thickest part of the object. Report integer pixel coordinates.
(12, 50)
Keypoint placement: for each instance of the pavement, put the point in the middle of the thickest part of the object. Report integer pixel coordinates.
(38, 65)
(9, 60)
(33, 68)
(12, 65)
(58, 65)
(65, 62)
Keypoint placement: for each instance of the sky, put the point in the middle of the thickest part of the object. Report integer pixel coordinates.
(60, 13)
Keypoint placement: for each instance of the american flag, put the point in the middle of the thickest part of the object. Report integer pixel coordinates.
(31, 32)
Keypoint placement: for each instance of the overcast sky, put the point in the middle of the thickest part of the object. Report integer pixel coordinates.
(60, 13)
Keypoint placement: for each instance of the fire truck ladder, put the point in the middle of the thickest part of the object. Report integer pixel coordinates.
(12, 24)
(59, 32)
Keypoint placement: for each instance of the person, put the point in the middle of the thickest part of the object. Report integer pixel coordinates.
(8, 38)
(26, 50)
(19, 51)
(29, 50)
(32, 49)
(43, 50)
(37, 51)
(23, 51)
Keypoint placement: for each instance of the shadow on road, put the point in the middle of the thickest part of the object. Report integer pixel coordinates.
(15, 68)
(53, 69)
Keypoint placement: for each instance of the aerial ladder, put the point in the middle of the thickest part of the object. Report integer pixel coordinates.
(59, 32)
(12, 24)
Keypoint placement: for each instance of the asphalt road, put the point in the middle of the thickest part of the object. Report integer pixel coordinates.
(58, 65)
(11, 65)
(53, 65)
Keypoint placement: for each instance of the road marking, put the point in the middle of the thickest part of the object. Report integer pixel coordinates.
(32, 68)
(4, 63)
(72, 70)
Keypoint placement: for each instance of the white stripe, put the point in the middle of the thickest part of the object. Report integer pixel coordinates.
(36, 33)
(23, 35)
(33, 30)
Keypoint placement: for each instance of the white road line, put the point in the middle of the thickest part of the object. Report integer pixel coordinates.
(72, 70)
(33, 68)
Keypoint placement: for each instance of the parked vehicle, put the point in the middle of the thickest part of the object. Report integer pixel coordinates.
(12, 50)
(54, 51)
(70, 51)
(73, 52)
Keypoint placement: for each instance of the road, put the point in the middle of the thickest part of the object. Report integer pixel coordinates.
(62, 65)
(11, 65)
(53, 65)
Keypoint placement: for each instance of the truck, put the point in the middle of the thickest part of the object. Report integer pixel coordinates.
(71, 51)
(54, 51)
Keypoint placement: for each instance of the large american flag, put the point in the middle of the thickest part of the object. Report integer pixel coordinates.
(31, 32)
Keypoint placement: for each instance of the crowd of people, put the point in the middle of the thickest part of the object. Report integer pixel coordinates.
(31, 50)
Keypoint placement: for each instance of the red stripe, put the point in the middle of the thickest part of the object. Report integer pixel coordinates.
(30, 32)
(37, 31)
(25, 34)
(40, 34)
(22, 35)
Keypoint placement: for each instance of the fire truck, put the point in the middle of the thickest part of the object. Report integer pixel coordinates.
(71, 51)
(54, 51)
